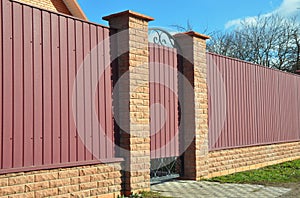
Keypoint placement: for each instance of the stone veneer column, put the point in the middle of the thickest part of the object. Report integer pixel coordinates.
(133, 97)
(195, 105)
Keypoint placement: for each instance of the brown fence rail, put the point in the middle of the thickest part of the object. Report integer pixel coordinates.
(40, 55)
(250, 104)
(163, 91)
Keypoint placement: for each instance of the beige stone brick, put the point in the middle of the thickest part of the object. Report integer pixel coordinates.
(88, 171)
(116, 188)
(3, 182)
(68, 173)
(85, 193)
(46, 193)
(63, 196)
(59, 182)
(81, 179)
(46, 176)
(68, 189)
(20, 180)
(112, 195)
(89, 185)
(8, 190)
(36, 186)
(99, 191)
(22, 195)
(99, 177)
(104, 183)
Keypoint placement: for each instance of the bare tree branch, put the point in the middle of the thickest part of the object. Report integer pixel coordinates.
(271, 41)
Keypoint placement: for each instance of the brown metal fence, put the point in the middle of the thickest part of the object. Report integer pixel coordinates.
(41, 54)
(163, 96)
(250, 104)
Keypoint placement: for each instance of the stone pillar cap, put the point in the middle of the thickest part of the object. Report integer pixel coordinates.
(197, 35)
(128, 13)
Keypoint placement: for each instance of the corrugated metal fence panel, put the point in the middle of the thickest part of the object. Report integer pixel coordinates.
(250, 104)
(163, 96)
(7, 86)
(41, 55)
(298, 106)
(18, 85)
(288, 102)
(1, 85)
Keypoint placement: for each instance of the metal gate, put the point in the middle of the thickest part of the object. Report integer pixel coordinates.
(165, 155)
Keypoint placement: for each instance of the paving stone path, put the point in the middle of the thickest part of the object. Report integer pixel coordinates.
(193, 189)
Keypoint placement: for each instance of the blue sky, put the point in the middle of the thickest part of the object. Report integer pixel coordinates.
(212, 15)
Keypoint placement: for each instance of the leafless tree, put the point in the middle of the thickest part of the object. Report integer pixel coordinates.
(272, 41)
(188, 27)
(181, 28)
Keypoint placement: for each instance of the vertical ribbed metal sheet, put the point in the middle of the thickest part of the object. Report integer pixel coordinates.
(7, 103)
(41, 53)
(1, 91)
(163, 92)
(260, 105)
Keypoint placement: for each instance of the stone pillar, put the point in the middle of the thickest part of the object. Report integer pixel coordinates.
(194, 124)
(133, 110)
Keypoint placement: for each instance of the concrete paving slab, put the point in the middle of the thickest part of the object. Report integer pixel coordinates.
(193, 189)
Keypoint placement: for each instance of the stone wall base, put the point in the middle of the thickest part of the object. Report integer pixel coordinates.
(102, 180)
(224, 162)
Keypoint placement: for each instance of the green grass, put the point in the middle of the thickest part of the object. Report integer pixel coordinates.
(151, 195)
(288, 172)
(145, 194)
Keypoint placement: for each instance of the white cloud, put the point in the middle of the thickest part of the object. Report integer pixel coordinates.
(286, 9)
(237, 22)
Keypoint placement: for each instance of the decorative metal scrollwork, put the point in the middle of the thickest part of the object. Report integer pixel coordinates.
(162, 37)
(164, 169)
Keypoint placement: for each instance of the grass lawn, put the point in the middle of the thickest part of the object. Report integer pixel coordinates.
(152, 195)
(145, 195)
(288, 172)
